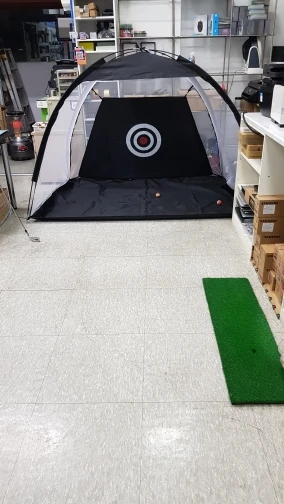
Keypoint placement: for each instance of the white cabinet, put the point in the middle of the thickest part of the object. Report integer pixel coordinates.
(267, 172)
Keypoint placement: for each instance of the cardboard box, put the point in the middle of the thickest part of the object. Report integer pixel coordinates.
(269, 205)
(249, 107)
(5, 207)
(261, 239)
(255, 257)
(278, 256)
(278, 292)
(250, 138)
(267, 225)
(250, 195)
(263, 275)
(271, 279)
(266, 255)
(252, 151)
(94, 12)
(92, 6)
(265, 262)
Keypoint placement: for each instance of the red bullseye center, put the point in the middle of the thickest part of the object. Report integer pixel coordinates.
(143, 140)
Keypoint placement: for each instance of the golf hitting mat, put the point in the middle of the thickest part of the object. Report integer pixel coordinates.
(249, 353)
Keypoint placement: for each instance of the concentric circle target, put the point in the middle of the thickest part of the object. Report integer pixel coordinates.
(143, 140)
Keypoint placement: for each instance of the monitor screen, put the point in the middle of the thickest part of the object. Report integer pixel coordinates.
(277, 54)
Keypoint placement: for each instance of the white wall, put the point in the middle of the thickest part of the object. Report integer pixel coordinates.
(279, 28)
(35, 76)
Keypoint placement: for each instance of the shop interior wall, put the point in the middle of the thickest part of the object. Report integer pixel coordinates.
(35, 76)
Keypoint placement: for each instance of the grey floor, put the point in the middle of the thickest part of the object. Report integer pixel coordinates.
(111, 384)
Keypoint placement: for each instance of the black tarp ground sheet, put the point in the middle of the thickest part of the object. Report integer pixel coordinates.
(185, 197)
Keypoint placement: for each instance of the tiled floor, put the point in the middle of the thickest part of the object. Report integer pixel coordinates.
(111, 384)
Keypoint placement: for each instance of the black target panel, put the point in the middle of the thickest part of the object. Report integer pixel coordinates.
(144, 138)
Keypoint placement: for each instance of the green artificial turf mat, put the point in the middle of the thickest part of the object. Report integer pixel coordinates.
(249, 353)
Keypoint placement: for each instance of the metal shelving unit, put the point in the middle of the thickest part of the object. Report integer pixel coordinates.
(89, 24)
(14, 92)
(226, 72)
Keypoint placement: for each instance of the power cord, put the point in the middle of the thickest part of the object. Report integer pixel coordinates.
(250, 127)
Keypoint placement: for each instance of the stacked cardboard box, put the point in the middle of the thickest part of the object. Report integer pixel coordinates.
(268, 226)
(93, 10)
(278, 264)
(265, 262)
(268, 249)
(251, 144)
(268, 220)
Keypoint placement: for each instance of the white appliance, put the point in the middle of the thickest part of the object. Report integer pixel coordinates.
(253, 62)
(277, 107)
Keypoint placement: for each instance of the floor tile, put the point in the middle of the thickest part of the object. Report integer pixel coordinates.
(189, 226)
(79, 454)
(57, 244)
(23, 364)
(10, 227)
(39, 273)
(270, 421)
(106, 311)
(221, 238)
(95, 229)
(218, 226)
(176, 243)
(22, 187)
(119, 244)
(183, 367)
(113, 272)
(184, 271)
(14, 420)
(19, 166)
(102, 368)
(33, 313)
(177, 311)
(202, 454)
